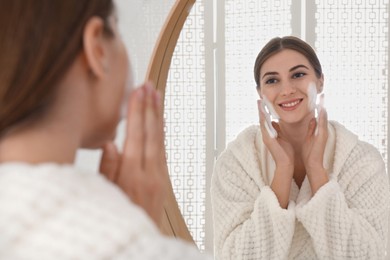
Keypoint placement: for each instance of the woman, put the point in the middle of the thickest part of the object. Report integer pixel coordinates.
(63, 71)
(314, 191)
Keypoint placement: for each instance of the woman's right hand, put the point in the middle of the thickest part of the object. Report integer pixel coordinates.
(141, 170)
(283, 154)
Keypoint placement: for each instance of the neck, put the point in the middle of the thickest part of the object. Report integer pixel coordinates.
(295, 133)
(40, 143)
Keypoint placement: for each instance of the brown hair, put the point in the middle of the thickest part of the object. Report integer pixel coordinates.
(39, 40)
(278, 44)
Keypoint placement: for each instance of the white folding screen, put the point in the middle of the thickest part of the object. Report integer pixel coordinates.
(352, 42)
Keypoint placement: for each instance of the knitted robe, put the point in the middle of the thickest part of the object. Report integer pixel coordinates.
(347, 218)
(50, 211)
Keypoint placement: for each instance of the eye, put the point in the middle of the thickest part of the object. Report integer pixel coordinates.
(298, 75)
(271, 81)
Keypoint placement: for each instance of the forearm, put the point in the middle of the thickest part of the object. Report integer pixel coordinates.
(317, 177)
(281, 185)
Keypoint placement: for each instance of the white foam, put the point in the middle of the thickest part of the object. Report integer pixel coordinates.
(268, 123)
(312, 96)
(270, 108)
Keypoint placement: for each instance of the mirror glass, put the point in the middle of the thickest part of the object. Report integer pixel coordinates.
(211, 95)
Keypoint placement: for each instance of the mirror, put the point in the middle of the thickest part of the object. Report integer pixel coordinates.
(210, 94)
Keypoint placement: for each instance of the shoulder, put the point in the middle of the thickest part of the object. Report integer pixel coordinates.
(242, 148)
(76, 212)
(240, 161)
(356, 161)
(164, 248)
(244, 140)
(349, 145)
(65, 204)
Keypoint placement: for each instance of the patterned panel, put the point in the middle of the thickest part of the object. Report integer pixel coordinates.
(249, 25)
(185, 123)
(352, 43)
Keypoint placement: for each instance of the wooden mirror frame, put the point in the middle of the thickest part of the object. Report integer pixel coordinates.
(173, 223)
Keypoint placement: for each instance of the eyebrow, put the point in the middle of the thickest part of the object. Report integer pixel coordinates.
(292, 69)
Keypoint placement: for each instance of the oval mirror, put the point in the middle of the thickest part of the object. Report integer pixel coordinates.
(210, 94)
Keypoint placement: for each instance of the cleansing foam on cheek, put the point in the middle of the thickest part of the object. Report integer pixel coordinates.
(269, 111)
(312, 96)
(313, 103)
(271, 108)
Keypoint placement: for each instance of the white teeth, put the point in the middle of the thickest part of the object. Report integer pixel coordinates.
(291, 104)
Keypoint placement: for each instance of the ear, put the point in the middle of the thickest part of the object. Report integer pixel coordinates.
(94, 43)
(321, 83)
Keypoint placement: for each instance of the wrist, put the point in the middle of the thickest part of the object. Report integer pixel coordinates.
(285, 168)
(315, 170)
(317, 179)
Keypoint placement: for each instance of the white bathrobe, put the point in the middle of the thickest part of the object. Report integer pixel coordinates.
(52, 212)
(347, 218)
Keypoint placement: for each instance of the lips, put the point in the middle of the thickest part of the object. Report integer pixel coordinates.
(291, 104)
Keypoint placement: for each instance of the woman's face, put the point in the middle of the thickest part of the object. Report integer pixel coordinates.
(114, 88)
(284, 79)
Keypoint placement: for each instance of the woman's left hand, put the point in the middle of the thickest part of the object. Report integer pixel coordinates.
(141, 170)
(314, 148)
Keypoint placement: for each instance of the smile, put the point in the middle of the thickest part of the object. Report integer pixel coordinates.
(290, 104)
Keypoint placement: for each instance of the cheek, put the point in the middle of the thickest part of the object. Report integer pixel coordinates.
(270, 93)
(128, 84)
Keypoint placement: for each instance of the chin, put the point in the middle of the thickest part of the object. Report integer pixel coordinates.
(98, 140)
(295, 119)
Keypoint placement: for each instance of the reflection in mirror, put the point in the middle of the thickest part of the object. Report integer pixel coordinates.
(234, 32)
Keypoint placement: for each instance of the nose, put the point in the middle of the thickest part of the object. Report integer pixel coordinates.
(287, 89)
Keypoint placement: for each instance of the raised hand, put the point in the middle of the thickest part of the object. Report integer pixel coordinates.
(141, 170)
(283, 154)
(314, 148)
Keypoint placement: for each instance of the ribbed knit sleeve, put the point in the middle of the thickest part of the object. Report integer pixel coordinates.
(248, 220)
(348, 218)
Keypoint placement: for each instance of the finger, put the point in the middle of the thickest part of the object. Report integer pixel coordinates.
(160, 120)
(152, 131)
(323, 116)
(134, 143)
(277, 128)
(261, 115)
(311, 128)
(161, 134)
(109, 162)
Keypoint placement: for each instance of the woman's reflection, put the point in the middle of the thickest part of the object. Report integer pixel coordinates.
(303, 187)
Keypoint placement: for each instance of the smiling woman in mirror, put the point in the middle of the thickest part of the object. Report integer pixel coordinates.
(298, 186)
